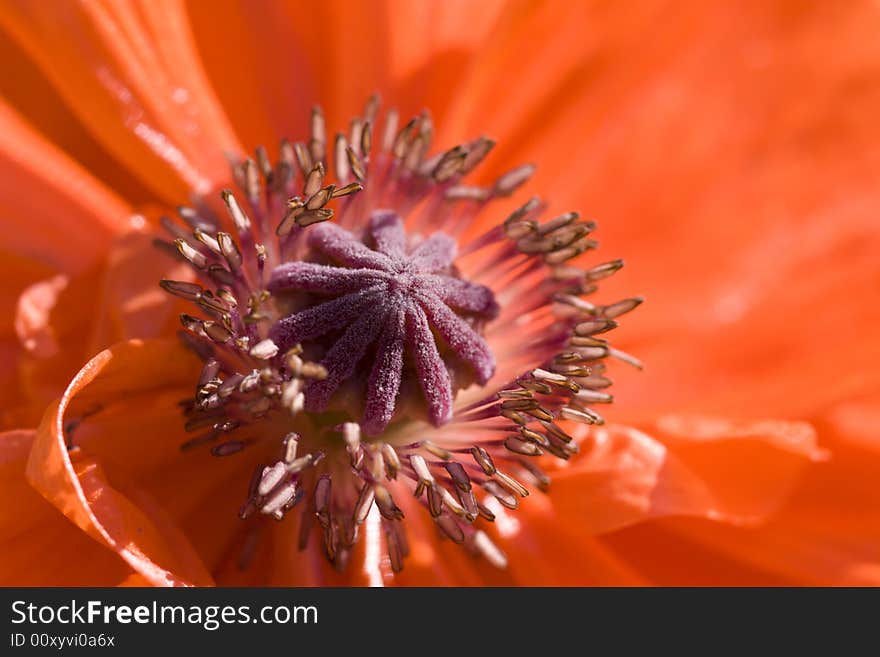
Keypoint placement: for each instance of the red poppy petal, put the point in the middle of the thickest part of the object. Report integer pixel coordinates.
(32, 316)
(141, 93)
(411, 54)
(826, 533)
(768, 341)
(829, 532)
(129, 302)
(114, 301)
(20, 272)
(548, 45)
(39, 181)
(665, 556)
(544, 547)
(134, 580)
(736, 472)
(114, 514)
(433, 46)
(31, 531)
(753, 229)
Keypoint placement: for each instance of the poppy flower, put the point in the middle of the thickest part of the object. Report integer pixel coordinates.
(392, 356)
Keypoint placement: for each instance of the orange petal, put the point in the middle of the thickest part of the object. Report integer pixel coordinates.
(109, 303)
(33, 96)
(801, 545)
(750, 467)
(829, 531)
(36, 246)
(116, 515)
(665, 557)
(139, 89)
(32, 316)
(712, 468)
(755, 204)
(764, 344)
(412, 54)
(340, 79)
(432, 46)
(256, 68)
(20, 272)
(551, 550)
(755, 200)
(39, 183)
(129, 301)
(546, 45)
(730, 475)
(134, 580)
(31, 531)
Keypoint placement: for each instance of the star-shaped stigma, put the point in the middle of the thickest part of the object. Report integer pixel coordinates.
(404, 300)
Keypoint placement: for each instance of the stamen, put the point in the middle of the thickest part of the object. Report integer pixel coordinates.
(264, 350)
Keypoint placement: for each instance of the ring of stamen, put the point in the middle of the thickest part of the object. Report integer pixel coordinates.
(362, 347)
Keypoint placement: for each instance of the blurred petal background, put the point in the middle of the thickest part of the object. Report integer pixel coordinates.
(728, 150)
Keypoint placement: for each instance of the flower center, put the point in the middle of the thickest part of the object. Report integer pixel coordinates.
(357, 352)
(395, 305)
